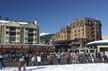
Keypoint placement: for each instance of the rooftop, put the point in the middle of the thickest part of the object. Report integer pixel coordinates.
(99, 42)
(20, 22)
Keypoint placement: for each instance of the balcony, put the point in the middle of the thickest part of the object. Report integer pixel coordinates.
(12, 28)
(12, 38)
(30, 32)
(12, 31)
(29, 35)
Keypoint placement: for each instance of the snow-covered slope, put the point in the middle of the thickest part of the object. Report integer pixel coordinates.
(71, 67)
(41, 34)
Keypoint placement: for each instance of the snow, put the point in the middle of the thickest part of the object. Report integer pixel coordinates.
(23, 22)
(99, 41)
(69, 67)
(44, 34)
(4, 21)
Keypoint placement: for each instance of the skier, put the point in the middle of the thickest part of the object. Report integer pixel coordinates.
(39, 59)
(59, 58)
(27, 59)
(74, 58)
(68, 58)
(33, 60)
(1, 61)
(51, 59)
(22, 63)
(105, 58)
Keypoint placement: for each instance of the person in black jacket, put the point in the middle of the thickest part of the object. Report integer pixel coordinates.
(105, 58)
(1, 61)
(27, 59)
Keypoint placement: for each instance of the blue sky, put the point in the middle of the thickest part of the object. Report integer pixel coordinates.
(54, 14)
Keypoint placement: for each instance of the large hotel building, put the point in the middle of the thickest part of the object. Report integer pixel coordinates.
(80, 31)
(16, 36)
(14, 32)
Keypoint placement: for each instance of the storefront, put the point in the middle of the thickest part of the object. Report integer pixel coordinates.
(100, 46)
(27, 48)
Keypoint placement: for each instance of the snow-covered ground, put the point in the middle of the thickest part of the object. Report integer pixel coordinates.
(71, 67)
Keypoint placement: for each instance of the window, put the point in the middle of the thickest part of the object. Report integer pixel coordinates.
(35, 29)
(7, 27)
(12, 38)
(26, 28)
(75, 34)
(83, 29)
(18, 28)
(12, 28)
(75, 31)
(7, 32)
(13, 33)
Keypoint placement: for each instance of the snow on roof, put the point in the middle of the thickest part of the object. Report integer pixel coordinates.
(99, 42)
(23, 22)
(4, 21)
(42, 34)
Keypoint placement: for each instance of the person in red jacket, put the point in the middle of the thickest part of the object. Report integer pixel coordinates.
(51, 59)
(68, 58)
(78, 57)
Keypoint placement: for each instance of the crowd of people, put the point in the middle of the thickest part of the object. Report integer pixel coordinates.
(52, 58)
